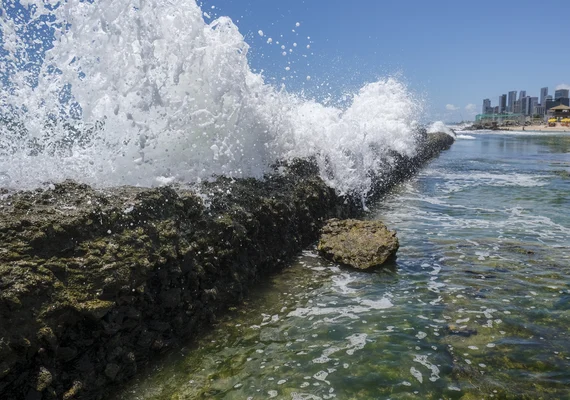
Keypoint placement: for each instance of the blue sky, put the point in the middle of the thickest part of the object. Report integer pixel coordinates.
(452, 53)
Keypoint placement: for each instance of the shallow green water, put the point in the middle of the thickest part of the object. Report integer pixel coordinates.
(476, 306)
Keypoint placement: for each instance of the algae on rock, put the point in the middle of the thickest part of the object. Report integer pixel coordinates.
(94, 282)
(360, 244)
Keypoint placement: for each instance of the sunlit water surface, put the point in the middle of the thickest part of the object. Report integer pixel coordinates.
(476, 306)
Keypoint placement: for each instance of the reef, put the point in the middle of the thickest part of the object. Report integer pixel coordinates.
(95, 282)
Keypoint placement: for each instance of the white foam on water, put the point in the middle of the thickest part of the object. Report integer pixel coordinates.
(156, 95)
(357, 342)
(340, 283)
(351, 311)
(465, 137)
(324, 357)
(422, 359)
(321, 376)
(456, 182)
(304, 396)
(417, 374)
(381, 304)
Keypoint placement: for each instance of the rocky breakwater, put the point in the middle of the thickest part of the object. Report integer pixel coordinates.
(94, 282)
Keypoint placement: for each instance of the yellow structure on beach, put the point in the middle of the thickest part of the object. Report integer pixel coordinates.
(559, 112)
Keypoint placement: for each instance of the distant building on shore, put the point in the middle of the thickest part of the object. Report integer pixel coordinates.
(543, 94)
(525, 105)
(517, 107)
(539, 110)
(555, 103)
(502, 103)
(559, 112)
(486, 107)
(511, 109)
(561, 94)
(511, 101)
(532, 105)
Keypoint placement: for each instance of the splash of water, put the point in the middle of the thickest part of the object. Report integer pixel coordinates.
(146, 92)
(439, 126)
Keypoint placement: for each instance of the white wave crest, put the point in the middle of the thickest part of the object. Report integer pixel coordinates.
(144, 93)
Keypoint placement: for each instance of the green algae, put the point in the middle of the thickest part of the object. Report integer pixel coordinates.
(517, 341)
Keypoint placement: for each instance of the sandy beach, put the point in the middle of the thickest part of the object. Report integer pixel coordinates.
(536, 128)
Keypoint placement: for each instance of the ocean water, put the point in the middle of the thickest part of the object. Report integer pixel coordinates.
(146, 93)
(476, 306)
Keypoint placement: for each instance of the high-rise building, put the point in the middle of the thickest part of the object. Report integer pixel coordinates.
(517, 107)
(532, 105)
(561, 94)
(486, 106)
(527, 104)
(522, 94)
(539, 110)
(553, 103)
(543, 94)
(511, 101)
(502, 103)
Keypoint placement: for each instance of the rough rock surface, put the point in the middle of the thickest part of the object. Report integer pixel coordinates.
(93, 283)
(359, 244)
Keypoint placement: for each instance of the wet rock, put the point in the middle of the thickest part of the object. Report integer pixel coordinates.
(94, 282)
(47, 336)
(66, 353)
(96, 308)
(43, 380)
(359, 244)
(74, 391)
(111, 371)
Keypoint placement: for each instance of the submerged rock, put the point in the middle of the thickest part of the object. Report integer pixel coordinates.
(359, 244)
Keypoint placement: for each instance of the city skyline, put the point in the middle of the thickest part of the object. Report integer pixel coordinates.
(527, 105)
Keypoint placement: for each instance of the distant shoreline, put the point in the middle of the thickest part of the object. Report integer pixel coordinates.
(536, 128)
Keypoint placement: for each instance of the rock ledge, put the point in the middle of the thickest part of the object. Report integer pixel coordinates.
(95, 282)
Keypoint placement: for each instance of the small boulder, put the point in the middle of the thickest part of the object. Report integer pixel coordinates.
(359, 244)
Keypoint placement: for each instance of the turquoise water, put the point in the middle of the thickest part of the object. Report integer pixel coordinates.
(476, 306)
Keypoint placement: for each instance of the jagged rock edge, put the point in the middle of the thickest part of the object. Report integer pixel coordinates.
(87, 297)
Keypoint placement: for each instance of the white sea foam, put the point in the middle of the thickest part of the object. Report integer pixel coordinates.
(417, 374)
(341, 282)
(458, 182)
(159, 95)
(422, 359)
(439, 126)
(351, 311)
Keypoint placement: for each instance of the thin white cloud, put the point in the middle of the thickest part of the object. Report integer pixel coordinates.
(451, 107)
(563, 86)
(471, 108)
